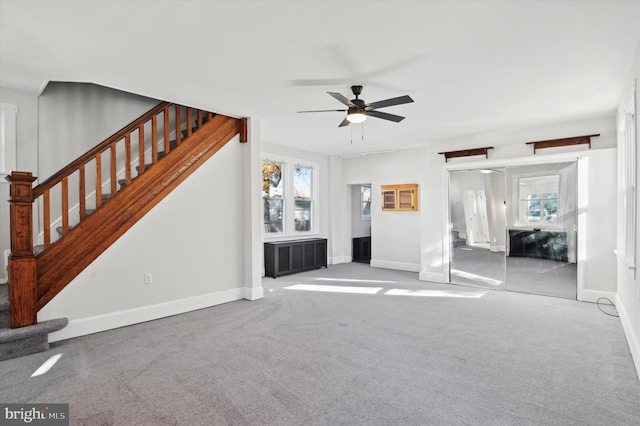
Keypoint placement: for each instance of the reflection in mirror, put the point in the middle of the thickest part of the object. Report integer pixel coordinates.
(477, 214)
(541, 229)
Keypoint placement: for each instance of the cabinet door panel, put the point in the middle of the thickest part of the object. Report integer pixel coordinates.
(296, 256)
(321, 253)
(284, 264)
(389, 200)
(405, 199)
(309, 255)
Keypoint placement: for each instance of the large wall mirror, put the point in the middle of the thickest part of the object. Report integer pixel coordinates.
(514, 228)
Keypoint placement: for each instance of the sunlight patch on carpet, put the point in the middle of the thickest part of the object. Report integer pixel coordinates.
(335, 288)
(47, 365)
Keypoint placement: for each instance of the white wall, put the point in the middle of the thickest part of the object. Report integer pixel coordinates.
(628, 285)
(395, 236)
(78, 116)
(597, 223)
(192, 242)
(26, 157)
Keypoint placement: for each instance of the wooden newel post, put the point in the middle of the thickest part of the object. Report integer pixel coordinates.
(23, 296)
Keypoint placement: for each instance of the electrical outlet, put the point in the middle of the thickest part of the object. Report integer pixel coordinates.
(148, 278)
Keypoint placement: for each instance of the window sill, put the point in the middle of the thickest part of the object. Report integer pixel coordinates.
(290, 237)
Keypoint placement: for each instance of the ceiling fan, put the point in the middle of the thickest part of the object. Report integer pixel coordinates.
(359, 110)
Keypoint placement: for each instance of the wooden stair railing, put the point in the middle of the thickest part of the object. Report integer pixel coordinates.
(35, 279)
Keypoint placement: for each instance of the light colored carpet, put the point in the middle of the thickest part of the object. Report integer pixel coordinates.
(481, 267)
(348, 345)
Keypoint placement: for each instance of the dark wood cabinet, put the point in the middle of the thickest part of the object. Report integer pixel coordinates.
(289, 257)
(361, 250)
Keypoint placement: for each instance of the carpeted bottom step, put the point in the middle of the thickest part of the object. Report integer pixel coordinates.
(16, 342)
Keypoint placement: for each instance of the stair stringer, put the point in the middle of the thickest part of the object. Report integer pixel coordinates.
(63, 261)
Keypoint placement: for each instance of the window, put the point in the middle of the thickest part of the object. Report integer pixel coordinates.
(288, 195)
(302, 198)
(365, 202)
(627, 178)
(273, 196)
(538, 200)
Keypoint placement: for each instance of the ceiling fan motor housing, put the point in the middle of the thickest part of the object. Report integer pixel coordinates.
(359, 106)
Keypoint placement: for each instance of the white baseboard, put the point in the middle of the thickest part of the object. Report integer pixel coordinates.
(98, 323)
(253, 293)
(400, 266)
(338, 259)
(434, 277)
(631, 334)
(586, 295)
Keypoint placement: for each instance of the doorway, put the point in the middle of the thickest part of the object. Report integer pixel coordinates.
(514, 228)
(361, 223)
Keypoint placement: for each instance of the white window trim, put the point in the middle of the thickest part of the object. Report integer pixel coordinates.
(627, 180)
(289, 163)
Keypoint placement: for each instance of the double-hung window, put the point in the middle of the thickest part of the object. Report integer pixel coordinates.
(288, 196)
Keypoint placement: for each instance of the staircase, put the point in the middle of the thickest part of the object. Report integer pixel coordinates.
(164, 146)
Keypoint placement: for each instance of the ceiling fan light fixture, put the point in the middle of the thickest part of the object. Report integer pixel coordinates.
(356, 117)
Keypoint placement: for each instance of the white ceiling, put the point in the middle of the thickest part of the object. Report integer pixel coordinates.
(470, 66)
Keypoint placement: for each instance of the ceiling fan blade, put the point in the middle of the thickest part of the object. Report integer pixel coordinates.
(324, 110)
(385, 116)
(389, 102)
(345, 122)
(341, 98)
